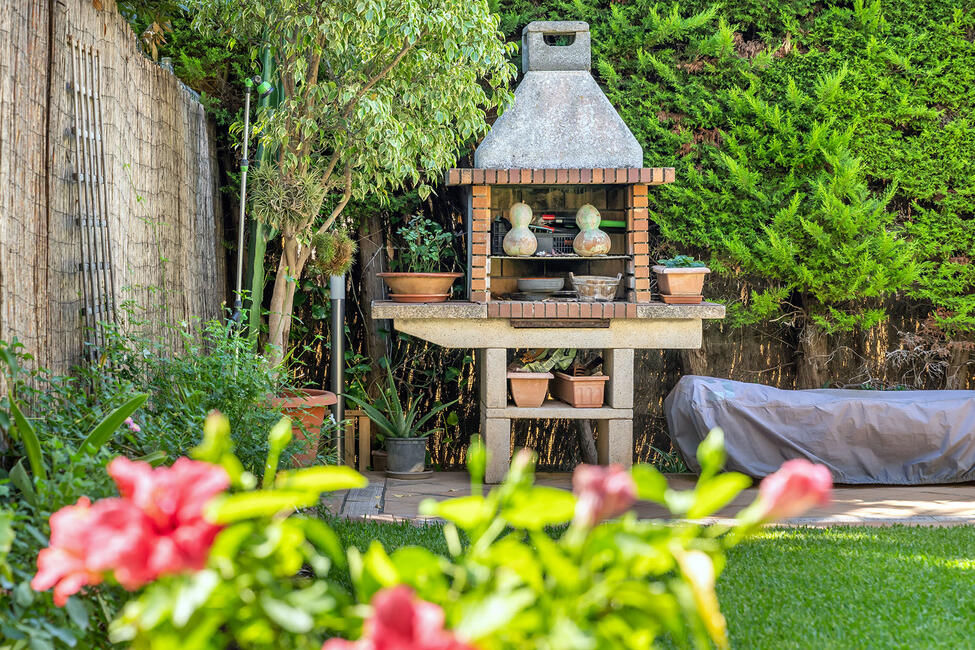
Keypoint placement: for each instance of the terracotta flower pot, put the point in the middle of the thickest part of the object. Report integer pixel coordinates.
(308, 406)
(419, 287)
(684, 284)
(529, 388)
(580, 392)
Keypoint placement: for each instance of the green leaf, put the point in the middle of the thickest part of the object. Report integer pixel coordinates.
(486, 615)
(278, 438)
(537, 507)
(287, 616)
(29, 437)
(23, 594)
(477, 457)
(154, 458)
(379, 565)
(714, 494)
(64, 636)
(467, 512)
(20, 479)
(192, 595)
(248, 505)
(325, 538)
(651, 485)
(107, 428)
(710, 453)
(77, 612)
(321, 479)
(216, 439)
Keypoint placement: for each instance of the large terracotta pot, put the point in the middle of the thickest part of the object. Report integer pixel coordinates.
(681, 285)
(419, 287)
(580, 392)
(308, 406)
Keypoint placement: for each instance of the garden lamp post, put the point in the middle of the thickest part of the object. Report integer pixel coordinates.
(336, 287)
(263, 90)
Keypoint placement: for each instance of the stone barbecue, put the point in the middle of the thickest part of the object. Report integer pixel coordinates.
(559, 146)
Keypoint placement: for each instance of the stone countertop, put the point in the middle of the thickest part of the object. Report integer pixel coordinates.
(464, 310)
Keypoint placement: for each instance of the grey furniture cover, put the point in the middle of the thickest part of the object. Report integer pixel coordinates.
(879, 437)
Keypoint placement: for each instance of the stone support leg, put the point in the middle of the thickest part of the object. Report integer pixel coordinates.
(618, 364)
(492, 366)
(614, 444)
(497, 439)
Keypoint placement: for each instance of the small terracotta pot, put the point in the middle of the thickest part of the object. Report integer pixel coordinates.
(680, 281)
(308, 406)
(419, 287)
(529, 388)
(580, 392)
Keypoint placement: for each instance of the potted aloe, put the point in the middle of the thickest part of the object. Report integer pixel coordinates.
(403, 429)
(419, 263)
(680, 279)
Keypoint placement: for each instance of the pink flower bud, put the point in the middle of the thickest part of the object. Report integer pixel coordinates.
(796, 487)
(602, 492)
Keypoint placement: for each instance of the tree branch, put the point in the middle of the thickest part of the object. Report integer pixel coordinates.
(378, 76)
(346, 195)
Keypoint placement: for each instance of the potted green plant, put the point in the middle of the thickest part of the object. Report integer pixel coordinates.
(680, 279)
(426, 251)
(529, 374)
(403, 429)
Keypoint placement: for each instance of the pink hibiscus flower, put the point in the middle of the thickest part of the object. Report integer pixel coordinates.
(401, 621)
(602, 493)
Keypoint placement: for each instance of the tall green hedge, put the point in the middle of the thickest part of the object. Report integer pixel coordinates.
(826, 150)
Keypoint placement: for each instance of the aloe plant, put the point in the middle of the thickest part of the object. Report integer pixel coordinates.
(392, 418)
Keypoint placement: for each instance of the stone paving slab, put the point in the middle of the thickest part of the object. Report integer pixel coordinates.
(388, 499)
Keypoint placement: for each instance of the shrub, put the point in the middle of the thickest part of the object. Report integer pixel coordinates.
(213, 368)
(599, 582)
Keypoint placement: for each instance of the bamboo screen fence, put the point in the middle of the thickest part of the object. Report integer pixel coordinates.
(133, 187)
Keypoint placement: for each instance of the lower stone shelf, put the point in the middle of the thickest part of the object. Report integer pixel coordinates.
(556, 410)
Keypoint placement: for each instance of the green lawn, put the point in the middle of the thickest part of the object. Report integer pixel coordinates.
(844, 587)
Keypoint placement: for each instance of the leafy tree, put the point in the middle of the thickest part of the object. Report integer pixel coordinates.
(377, 95)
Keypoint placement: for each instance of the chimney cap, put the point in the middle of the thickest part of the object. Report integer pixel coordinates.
(557, 26)
(537, 55)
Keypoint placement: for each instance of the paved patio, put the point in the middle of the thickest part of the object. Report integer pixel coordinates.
(928, 505)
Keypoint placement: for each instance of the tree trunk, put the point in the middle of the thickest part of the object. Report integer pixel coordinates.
(695, 362)
(282, 301)
(372, 258)
(275, 317)
(814, 356)
(957, 373)
(587, 442)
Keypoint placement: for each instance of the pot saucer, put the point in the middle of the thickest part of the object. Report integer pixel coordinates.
(419, 297)
(410, 476)
(682, 300)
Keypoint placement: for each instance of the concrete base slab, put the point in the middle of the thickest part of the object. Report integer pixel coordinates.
(668, 334)
(928, 505)
(556, 410)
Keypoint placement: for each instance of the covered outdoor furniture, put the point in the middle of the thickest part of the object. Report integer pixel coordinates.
(863, 436)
